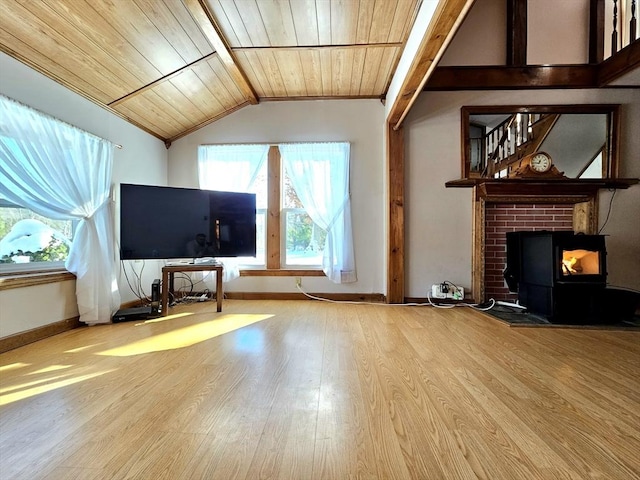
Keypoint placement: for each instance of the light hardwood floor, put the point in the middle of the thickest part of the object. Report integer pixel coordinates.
(310, 390)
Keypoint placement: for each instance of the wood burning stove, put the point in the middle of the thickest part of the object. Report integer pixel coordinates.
(560, 275)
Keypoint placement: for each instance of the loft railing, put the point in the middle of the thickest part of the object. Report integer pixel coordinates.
(518, 135)
(621, 19)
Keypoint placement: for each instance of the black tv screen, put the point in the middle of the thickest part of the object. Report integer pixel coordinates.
(167, 223)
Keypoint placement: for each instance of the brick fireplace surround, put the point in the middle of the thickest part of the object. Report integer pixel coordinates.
(501, 218)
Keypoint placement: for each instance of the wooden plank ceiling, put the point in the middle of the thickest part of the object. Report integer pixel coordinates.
(173, 66)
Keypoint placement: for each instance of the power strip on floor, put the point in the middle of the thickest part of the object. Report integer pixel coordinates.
(447, 291)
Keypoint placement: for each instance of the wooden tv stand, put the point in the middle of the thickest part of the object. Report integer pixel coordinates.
(168, 272)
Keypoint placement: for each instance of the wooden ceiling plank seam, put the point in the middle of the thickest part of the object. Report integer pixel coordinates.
(28, 54)
(232, 97)
(402, 20)
(305, 22)
(160, 80)
(141, 33)
(359, 57)
(313, 66)
(180, 101)
(254, 24)
(278, 21)
(410, 20)
(172, 115)
(245, 63)
(321, 47)
(132, 116)
(384, 74)
(209, 75)
(270, 65)
(366, 11)
(226, 18)
(208, 122)
(290, 70)
(394, 67)
(99, 32)
(168, 26)
(254, 62)
(54, 45)
(182, 16)
(204, 72)
(446, 19)
(196, 92)
(204, 18)
(382, 21)
(322, 97)
(326, 68)
(370, 72)
(344, 22)
(323, 19)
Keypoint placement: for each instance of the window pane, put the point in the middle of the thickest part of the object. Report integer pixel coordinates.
(290, 197)
(304, 239)
(26, 237)
(261, 241)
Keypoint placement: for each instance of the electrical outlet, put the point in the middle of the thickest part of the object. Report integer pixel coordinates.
(298, 282)
(444, 290)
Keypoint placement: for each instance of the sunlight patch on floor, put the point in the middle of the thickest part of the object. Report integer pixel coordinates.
(13, 366)
(186, 336)
(30, 392)
(51, 368)
(164, 319)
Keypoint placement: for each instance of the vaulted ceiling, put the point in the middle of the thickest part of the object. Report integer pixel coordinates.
(173, 66)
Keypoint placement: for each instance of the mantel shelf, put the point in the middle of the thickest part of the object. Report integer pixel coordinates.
(559, 183)
(556, 187)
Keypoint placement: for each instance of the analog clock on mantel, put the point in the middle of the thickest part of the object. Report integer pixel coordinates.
(535, 165)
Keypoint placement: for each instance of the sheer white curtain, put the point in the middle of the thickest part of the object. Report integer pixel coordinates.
(319, 173)
(240, 164)
(62, 172)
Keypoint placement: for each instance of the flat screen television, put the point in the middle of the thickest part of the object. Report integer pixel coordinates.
(178, 223)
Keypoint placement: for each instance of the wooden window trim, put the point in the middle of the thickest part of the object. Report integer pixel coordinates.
(281, 273)
(28, 279)
(273, 209)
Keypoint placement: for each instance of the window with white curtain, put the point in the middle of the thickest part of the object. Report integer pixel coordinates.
(312, 201)
(64, 173)
(29, 241)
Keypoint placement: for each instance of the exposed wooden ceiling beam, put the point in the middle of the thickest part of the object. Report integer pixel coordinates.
(505, 78)
(207, 23)
(498, 77)
(151, 85)
(446, 19)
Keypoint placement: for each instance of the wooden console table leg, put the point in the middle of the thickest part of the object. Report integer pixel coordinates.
(219, 289)
(165, 293)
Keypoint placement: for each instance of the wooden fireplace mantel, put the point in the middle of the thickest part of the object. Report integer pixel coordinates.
(582, 194)
(529, 187)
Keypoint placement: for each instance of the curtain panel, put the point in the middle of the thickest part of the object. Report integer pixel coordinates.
(319, 173)
(230, 168)
(62, 172)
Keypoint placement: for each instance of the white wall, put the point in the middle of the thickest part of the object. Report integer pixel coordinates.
(438, 219)
(357, 121)
(142, 159)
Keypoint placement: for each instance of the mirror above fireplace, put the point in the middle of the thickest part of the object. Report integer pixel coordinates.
(499, 141)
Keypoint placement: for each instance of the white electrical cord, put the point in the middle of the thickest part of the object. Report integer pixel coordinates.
(430, 303)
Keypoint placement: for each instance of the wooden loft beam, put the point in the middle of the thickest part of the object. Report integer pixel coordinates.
(596, 31)
(516, 32)
(505, 78)
(207, 23)
(446, 19)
